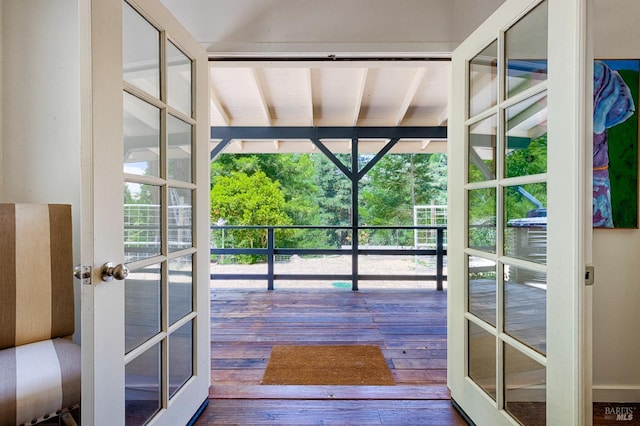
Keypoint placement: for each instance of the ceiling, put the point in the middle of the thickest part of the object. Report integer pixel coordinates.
(291, 63)
(365, 93)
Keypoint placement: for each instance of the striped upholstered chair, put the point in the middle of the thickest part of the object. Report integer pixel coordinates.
(39, 364)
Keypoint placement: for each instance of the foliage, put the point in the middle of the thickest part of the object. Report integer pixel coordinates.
(395, 185)
(316, 192)
(528, 160)
(309, 189)
(242, 199)
(294, 172)
(482, 219)
(334, 198)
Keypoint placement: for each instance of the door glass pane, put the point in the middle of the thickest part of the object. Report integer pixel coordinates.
(140, 52)
(482, 358)
(525, 306)
(141, 137)
(142, 305)
(142, 387)
(159, 193)
(142, 221)
(180, 219)
(180, 357)
(179, 151)
(526, 141)
(482, 150)
(526, 50)
(525, 233)
(178, 80)
(180, 287)
(482, 219)
(483, 83)
(482, 288)
(525, 387)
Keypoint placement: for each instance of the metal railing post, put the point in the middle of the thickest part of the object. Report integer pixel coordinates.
(439, 258)
(355, 215)
(270, 257)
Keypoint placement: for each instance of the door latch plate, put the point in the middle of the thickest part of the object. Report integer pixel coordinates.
(589, 275)
(83, 273)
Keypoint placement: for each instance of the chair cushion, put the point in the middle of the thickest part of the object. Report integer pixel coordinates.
(39, 380)
(36, 264)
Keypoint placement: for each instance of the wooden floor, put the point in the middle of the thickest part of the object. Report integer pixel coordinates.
(408, 325)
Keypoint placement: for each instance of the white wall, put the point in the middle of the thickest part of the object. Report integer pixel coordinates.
(468, 14)
(341, 27)
(616, 293)
(40, 161)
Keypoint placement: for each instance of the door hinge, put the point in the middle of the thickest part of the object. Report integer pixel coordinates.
(589, 275)
(83, 273)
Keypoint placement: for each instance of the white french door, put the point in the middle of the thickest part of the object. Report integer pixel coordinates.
(145, 335)
(519, 226)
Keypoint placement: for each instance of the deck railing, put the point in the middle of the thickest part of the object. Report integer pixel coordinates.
(270, 248)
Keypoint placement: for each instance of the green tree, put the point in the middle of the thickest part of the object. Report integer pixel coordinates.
(295, 172)
(241, 199)
(530, 160)
(396, 184)
(520, 200)
(334, 198)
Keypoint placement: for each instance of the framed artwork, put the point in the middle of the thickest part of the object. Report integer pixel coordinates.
(615, 143)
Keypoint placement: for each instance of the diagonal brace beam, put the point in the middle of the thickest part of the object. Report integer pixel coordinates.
(377, 158)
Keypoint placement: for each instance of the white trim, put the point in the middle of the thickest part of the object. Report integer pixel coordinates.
(566, 169)
(616, 393)
(222, 50)
(380, 61)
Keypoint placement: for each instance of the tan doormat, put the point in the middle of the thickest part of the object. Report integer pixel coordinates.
(327, 365)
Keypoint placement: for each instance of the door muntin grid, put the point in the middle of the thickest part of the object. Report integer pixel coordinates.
(159, 245)
(497, 188)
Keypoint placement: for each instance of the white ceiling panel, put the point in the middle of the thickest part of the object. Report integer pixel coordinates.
(328, 93)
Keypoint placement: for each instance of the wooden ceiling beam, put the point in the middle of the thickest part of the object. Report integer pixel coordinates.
(217, 105)
(411, 93)
(264, 106)
(309, 87)
(359, 95)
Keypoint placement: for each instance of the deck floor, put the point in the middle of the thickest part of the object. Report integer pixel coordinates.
(408, 325)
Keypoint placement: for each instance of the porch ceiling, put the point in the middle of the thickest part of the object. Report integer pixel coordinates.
(337, 93)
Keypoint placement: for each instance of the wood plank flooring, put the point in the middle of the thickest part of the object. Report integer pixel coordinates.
(408, 325)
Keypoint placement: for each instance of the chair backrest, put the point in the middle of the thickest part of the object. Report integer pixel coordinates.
(36, 280)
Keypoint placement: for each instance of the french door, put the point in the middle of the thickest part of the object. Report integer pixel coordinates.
(519, 227)
(145, 315)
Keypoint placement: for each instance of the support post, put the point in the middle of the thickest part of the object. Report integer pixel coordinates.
(270, 257)
(439, 258)
(354, 213)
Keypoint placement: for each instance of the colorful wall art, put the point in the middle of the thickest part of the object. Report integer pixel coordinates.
(615, 144)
